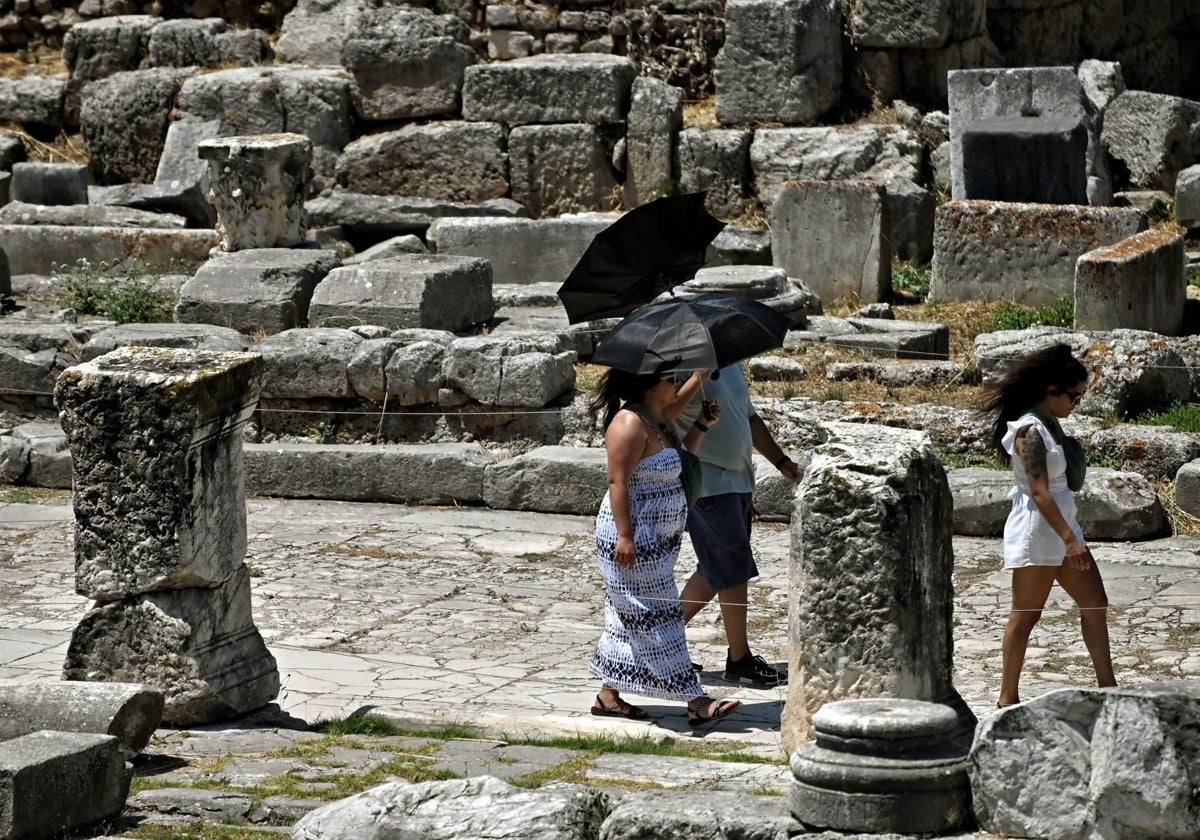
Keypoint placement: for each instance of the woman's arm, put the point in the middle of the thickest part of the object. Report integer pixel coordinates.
(624, 442)
(684, 395)
(1031, 449)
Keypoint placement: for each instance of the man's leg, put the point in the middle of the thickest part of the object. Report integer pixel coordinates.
(733, 614)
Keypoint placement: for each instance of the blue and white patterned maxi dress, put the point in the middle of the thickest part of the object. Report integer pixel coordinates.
(643, 649)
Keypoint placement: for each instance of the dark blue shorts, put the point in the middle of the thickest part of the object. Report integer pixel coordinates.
(720, 531)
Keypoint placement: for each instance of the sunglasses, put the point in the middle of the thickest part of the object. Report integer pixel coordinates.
(1075, 396)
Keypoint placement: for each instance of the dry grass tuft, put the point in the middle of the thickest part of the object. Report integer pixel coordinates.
(42, 60)
(65, 148)
(701, 114)
(1182, 523)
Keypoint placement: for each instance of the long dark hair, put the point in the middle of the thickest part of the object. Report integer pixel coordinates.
(617, 387)
(1026, 384)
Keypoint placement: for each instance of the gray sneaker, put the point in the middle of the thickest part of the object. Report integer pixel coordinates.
(754, 670)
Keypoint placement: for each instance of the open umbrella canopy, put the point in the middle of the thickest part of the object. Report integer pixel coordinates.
(644, 253)
(704, 332)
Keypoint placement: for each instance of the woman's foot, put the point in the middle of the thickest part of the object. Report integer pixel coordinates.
(704, 709)
(614, 706)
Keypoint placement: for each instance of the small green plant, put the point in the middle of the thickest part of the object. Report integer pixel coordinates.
(1193, 275)
(1012, 316)
(910, 280)
(323, 432)
(1184, 417)
(1161, 210)
(127, 297)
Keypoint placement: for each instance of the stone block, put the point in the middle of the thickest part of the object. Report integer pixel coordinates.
(1187, 488)
(432, 291)
(528, 371)
(521, 250)
(33, 100)
(767, 284)
(1156, 136)
(87, 215)
(266, 289)
(579, 88)
(1042, 160)
(552, 479)
(563, 168)
(96, 49)
(871, 609)
(1020, 252)
(718, 162)
(155, 438)
(678, 814)
(37, 249)
(914, 24)
(429, 474)
(774, 495)
(185, 43)
(257, 185)
(174, 336)
(406, 78)
(1155, 452)
(314, 102)
(781, 61)
(397, 246)
(307, 364)
(1187, 197)
(1089, 762)
(33, 356)
(412, 374)
(124, 118)
(5, 271)
(198, 646)
(655, 117)
(129, 712)
(374, 216)
(1137, 283)
(54, 783)
(182, 172)
(1046, 92)
(741, 246)
(833, 236)
(449, 161)
(47, 453)
(49, 183)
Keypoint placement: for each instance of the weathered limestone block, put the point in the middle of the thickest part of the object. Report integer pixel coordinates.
(1050, 92)
(46, 451)
(124, 118)
(581, 88)
(130, 712)
(915, 24)
(521, 250)
(781, 61)
(1154, 135)
(414, 374)
(655, 117)
(315, 31)
(1042, 160)
(985, 250)
(774, 495)
(1156, 452)
(155, 437)
(53, 783)
(86, 215)
(33, 100)
(32, 356)
(717, 161)
(1187, 488)
(429, 474)
(397, 246)
(396, 215)
(176, 336)
(308, 363)
(871, 610)
(432, 291)
(1136, 284)
(460, 808)
(528, 371)
(684, 815)
(405, 78)
(257, 185)
(186, 43)
(198, 646)
(833, 236)
(563, 168)
(1187, 197)
(12, 150)
(96, 49)
(314, 102)
(266, 289)
(49, 183)
(451, 161)
(1078, 764)
(552, 479)
(769, 285)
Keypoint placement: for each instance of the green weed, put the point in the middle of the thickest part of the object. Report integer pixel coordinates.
(1184, 417)
(128, 297)
(1012, 316)
(910, 280)
(323, 432)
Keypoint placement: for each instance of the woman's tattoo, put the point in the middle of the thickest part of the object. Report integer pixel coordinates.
(1034, 453)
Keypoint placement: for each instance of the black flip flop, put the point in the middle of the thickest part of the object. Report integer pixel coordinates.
(724, 708)
(620, 709)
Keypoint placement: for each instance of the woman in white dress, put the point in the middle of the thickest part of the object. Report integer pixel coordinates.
(638, 533)
(1043, 542)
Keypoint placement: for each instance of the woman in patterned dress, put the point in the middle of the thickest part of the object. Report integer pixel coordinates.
(638, 534)
(1043, 542)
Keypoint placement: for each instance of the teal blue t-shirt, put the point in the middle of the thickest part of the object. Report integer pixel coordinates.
(727, 452)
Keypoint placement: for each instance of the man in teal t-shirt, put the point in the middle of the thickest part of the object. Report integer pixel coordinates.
(719, 520)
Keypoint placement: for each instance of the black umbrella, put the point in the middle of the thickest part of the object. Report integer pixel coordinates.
(704, 332)
(644, 253)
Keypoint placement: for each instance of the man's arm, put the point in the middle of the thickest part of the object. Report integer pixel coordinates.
(764, 442)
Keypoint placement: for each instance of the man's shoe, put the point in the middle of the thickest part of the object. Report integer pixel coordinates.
(754, 670)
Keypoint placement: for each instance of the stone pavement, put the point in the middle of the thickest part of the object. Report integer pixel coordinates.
(489, 618)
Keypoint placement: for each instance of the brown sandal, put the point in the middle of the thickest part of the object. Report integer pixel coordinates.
(716, 709)
(620, 709)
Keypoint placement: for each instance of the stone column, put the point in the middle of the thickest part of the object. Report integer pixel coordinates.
(160, 528)
(871, 604)
(257, 184)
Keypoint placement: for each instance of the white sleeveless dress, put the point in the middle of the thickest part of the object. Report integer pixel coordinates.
(1028, 538)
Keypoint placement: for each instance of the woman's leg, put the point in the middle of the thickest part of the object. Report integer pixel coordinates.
(1086, 588)
(1030, 588)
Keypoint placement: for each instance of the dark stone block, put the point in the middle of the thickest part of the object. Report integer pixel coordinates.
(1042, 160)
